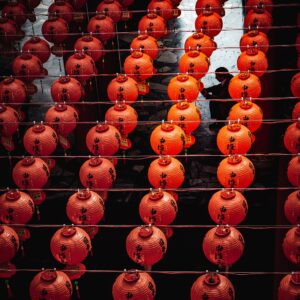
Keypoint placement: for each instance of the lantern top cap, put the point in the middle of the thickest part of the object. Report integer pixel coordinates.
(68, 232)
(8, 80)
(60, 107)
(156, 195)
(35, 40)
(167, 127)
(234, 127)
(212, 279)
(131, 276)
(120, 106)
(222, 231)
(234, 159)
(38, 128)
(13, 195)
(136, 54)
(164, 160)
(83, 194)
(121, 78)
(28, 161)
(182, 77)
(145, 231)
(182, 105)
(228, 195)
(198, 35)
(87, 38)
(49, 276)
(64, 79)
(102, 128)
(95, 161)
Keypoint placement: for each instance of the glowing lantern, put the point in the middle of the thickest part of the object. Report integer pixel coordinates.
(111, 8)
(289, 288)
(223, 246)
(213, 5)
(295, 85)
(146, 44)
(292, 137)
(195, 63)
(166, 172)
(291, 245)
(293, 171)
(146, 245)
(9, 243)
(9, 121)
(154, 25)
(258, 18)
(15, 11)
(38, 47)
(89, 45)
(295, 113)
(267, 4)
(9, 30)
(235, 171)
(62, 9)
(213, 286)
(164, 8)
(97, 173)
(255, 38)
(51, 284)
(200, 42)
(228, 207)
(134, 284)
(292, 208)
(244, 85)
(102, 27)
(209, 22)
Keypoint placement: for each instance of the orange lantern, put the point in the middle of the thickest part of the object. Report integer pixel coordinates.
(89, 45)
(195, 63)
(258, 18)
(146, 245)
(292, 137)
(167, 139)
(70, 245)
(209, 22)
(97, 173)
(111, 8)
(38, 47)
(123, 88)
(295, 85)
(103, 139)
(102, 27)
(135, 285)
(200, 42)
(255, 38)
(213, 286)
(291, 245)
(244, 85)
(254, 61)
(293, 171)
(223, 245)
(267, 4)
(154, 25)
(9, 243)
(158, 208)
(15, 11)
(234, 139)
(296, 111)
(249, 114)
(51, 284)
(163, 8)
(289, 288)
(184, 87)
(147, 44)
(85, 207)
(235, 171)
(67, 89)
(9, 30)
(166, 172)
(62, 9)
(213, 5)
(292, 208)
(9, 121)
(228, 207)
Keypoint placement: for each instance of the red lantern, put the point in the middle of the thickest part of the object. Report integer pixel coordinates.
(195, 63)
(228, 207)
(158, 208)
(81, 66)
(292, 137)
(167, 139)
(184, 87)
(154, 25)
(111, 8)
(266, 4)
(258, 18)
(223, 246)
(292, 208)
(9, 31)
(255, 38)
(102, 27)
(291, 245)
(293, 171)
(166, 172)
(200, 42)
(31, 173)
(97, 173)
(70, 245)
(123, 88)
(289, 288)
(103, 140)
(235, 172)
(146, 44)
(207, 5)
(146, 245)
(213, 286)
(15, 11)
(254, 61)
(134, 284)
(139, 66)
(9, 243)
(295, 85)
(9, 121)
(89, 45)
(248, 113)
(51, 284)
(85, 207)
(209, 23)
(38, 47)
(244, 85)
(163, 8)
(62, 9)
(295, 113)
(67, 89)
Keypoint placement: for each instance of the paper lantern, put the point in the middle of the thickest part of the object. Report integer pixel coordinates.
(30, 173)
(147, 44)
(90, 45)
(70, 245)
(97, 173)
(134, 285)
(184, 87)
(295, 85)
(293, 171)
(51, 284)
(258, 18)
(209, 22)
(296, 111)
(38, 47)
(223, 246)
(234, 139)
(244, 85)
(111, 8)
(9, 31)
(154, 25)
(213, 5)
(248, 113)
(67, 89)
(200, 42)
(292, 137)
(291, 245)
(163, 8)
(255, 38)
(166, 172)
(212, 286)
(9, 121)
(235, 172)
(228, 207)
(62, 9)
(146, 245)
(9, 243)
(289, 288)
(292, 208)
(102, 27)
(15, 11)
(195, 63)
(254, 61)
(266, 4)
